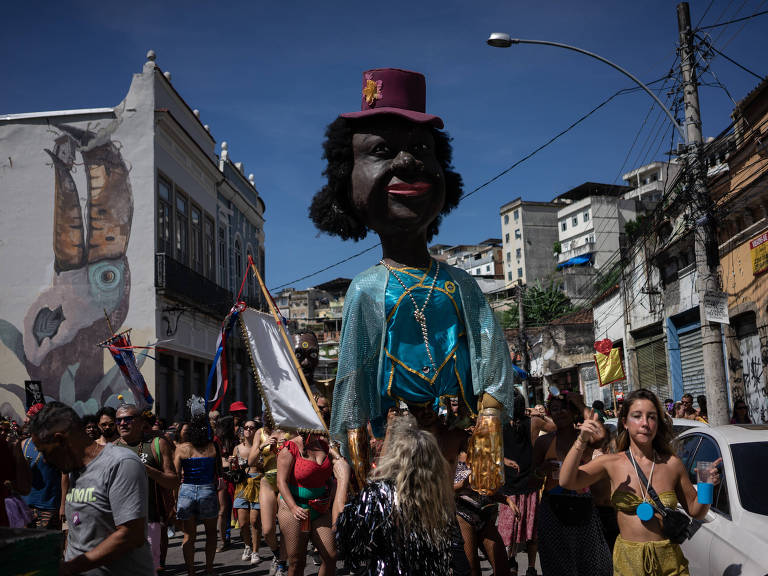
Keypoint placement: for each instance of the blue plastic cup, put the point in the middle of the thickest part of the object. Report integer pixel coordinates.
(705, 488)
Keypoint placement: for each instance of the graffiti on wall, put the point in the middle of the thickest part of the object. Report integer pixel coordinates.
(58, 342)
(753, 378)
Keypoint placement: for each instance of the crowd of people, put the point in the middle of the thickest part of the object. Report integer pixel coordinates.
(570, 496)
(424, 399)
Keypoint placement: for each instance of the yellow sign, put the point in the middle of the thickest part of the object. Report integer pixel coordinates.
(609, 367)
(758, 250)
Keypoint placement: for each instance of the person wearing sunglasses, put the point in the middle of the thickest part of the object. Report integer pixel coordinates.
(107, 426)
(246, 502)
(157, 457)
(740, 413)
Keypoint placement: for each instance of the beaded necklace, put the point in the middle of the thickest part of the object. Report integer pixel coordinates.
(418, 313)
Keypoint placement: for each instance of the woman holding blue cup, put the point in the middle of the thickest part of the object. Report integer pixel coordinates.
(644, 464)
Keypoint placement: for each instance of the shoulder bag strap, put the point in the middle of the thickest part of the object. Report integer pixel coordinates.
(660, 508)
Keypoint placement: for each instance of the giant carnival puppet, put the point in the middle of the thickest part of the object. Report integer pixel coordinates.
(415, 329)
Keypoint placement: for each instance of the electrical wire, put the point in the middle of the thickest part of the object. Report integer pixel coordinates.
(731, 60)
(720, 24)
(487, 182)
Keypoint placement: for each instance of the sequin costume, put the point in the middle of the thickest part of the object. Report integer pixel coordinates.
(368, 536)
(407, 369)
(360, 392)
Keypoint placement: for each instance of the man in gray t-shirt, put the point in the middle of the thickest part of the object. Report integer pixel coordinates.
(106, 505)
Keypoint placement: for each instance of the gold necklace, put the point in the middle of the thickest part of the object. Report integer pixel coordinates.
(418, 313)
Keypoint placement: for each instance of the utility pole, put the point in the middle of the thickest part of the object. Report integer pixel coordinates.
(522, 339)
(707, 278)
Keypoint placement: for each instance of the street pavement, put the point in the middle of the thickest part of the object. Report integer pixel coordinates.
(229, 561)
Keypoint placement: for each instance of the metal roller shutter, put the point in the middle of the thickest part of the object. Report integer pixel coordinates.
(652, 366)
(692, 361)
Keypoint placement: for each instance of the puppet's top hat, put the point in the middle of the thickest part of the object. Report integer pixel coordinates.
(394, 91)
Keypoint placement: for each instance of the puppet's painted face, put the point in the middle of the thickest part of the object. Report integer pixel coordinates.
(398, 184)
(306, 349)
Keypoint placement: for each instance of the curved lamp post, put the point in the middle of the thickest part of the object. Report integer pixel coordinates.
(501, 40)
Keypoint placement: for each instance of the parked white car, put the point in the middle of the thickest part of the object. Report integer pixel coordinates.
(679, 425)
(733, 538)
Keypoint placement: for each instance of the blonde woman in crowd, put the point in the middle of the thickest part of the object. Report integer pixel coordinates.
(400, 523)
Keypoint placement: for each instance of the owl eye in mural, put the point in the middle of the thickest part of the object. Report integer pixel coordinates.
(91, 276)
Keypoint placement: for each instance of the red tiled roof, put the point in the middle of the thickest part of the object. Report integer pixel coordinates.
(578, 317)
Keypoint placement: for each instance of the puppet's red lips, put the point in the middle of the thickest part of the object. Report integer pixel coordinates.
(409, 188)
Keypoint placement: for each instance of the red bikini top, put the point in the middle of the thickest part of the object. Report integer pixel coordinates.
(306, 472)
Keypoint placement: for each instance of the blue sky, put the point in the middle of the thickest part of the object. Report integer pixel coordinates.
(269, 76)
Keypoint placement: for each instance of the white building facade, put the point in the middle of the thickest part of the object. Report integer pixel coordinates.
(120, 218)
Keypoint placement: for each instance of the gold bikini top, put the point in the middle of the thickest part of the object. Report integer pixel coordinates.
(628, 502)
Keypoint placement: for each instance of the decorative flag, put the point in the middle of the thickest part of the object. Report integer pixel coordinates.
(122, 351)
(288, 402)
(219, 366)
(608, 363)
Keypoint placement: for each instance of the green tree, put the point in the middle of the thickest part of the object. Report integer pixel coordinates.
(542, 304)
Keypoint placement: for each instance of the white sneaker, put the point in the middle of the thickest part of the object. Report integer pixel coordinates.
(255, 558)
(282, 572)
(246, 553)
(273, 566)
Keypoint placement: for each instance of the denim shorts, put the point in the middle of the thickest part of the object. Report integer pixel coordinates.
(242, 503)
(199, 502)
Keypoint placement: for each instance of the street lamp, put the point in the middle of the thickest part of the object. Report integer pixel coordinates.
(502, 40)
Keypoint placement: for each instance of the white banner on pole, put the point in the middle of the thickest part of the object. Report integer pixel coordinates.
(283, 391)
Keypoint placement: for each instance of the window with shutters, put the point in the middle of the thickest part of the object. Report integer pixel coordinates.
(164, 215)
(196, 239)
(692, 362)
(652, 365)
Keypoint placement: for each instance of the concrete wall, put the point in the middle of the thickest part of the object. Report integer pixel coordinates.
(537, 232)
(78, 192)
(609, 317)
(539, 237)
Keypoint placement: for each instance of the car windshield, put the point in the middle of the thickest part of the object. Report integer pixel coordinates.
(751, 467)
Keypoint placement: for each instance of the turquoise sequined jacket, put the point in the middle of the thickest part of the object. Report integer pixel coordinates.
(356, 398)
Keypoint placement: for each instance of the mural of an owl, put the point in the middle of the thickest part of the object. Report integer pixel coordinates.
(58, 343)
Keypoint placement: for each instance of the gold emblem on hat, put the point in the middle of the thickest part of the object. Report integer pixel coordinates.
(372, 90)
(305, 344)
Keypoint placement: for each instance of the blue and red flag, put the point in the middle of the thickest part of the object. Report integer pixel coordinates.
(122, 351)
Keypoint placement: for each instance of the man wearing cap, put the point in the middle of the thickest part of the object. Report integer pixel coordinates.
(413, 329)
(44, 498)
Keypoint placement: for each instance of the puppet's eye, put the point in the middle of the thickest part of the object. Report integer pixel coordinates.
(420, 148)
(381, 149)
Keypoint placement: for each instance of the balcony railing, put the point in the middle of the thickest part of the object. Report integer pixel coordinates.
(177, 281)
(585, 248)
